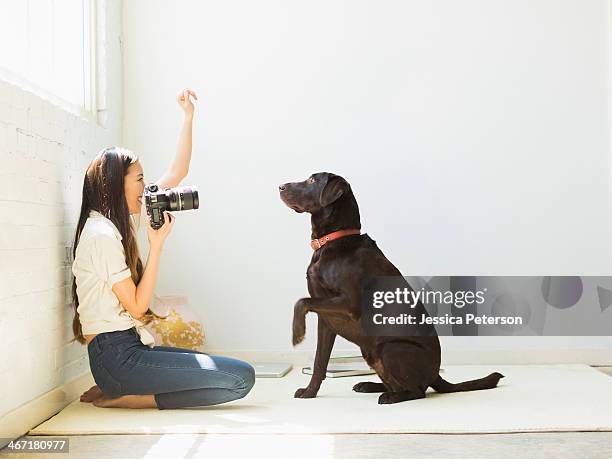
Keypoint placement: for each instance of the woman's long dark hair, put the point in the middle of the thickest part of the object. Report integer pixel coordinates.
(103, 191)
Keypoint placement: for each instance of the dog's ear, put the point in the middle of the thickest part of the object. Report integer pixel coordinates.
(335, 187)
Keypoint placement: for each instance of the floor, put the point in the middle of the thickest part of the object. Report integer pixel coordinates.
(535, 445)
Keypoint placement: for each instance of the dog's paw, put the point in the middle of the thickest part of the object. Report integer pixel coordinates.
(386, 398)
(305, 392)
(369, 387)
(395, 397)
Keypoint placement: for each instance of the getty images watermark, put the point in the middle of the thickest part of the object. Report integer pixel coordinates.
(487, 306)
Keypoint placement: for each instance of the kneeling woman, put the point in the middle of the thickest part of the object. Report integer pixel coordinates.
(112, 291)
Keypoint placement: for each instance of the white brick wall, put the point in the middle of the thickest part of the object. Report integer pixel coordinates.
(44, 150)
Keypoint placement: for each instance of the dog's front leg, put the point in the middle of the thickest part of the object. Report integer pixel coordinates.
(325, 343)
(336, 305)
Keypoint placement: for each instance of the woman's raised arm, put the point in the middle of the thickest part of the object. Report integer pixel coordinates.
(180, 166)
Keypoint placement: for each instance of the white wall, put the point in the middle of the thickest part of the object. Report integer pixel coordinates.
(44, 151)
(475, 135)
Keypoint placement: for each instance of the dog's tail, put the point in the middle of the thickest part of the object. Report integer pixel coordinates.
(488, 382)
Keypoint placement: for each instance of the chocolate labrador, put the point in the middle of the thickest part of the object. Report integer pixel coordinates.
(342, 259)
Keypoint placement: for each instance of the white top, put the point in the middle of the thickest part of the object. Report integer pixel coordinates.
(99, 263)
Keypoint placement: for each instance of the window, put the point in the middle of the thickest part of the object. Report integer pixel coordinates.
(46, 46)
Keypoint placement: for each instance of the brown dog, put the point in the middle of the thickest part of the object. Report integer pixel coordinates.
(407, 366)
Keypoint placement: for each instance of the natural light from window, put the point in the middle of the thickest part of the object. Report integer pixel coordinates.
(42, 43)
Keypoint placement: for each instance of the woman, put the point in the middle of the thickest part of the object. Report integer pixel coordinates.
(111, 292)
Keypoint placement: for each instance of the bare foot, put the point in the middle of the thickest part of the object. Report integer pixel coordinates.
(91, 394)
(126, 401)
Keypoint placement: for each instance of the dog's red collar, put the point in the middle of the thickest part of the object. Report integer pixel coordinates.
(318, 243)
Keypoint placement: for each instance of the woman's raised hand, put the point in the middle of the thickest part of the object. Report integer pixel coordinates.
(157, 237)
(183, 99)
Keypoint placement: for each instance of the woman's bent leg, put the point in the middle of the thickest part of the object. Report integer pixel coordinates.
(184, 378)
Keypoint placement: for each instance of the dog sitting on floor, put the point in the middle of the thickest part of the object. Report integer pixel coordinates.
(342, 259)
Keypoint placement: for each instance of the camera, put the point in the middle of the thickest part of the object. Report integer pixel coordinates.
(174, 199)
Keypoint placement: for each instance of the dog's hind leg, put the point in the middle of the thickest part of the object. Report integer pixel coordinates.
(404, 371)
(395, 397)
(369, 387)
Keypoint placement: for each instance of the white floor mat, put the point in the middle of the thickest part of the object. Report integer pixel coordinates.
(531, 398)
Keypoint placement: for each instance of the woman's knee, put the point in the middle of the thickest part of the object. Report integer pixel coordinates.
(246, 373)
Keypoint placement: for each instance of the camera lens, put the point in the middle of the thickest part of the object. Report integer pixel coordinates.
(189, 198)
(196, 199)
(183, 198)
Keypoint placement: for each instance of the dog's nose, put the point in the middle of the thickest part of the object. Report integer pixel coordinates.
(282, 187)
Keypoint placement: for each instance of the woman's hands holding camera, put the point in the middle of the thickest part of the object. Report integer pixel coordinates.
(157, 237)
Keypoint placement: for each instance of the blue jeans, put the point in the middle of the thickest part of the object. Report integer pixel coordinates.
(121, 364)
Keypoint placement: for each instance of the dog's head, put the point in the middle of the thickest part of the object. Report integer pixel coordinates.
(315, 193)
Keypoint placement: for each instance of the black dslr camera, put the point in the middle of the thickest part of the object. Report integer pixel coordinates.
(179, 198)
